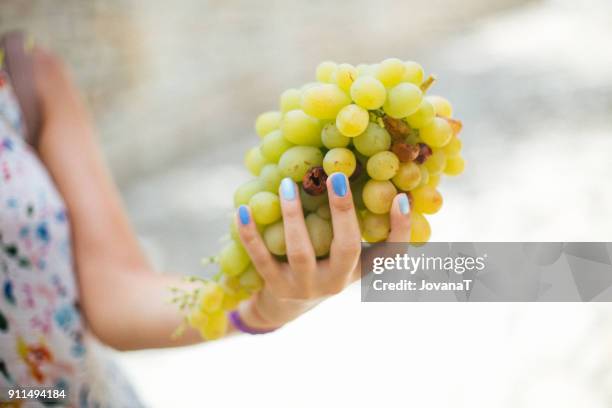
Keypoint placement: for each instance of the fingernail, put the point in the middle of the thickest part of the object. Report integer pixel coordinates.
(404, 205)
(339, 184)
(243, 214)
(288, 189)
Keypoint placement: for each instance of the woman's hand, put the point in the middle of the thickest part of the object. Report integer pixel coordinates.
(294, 287)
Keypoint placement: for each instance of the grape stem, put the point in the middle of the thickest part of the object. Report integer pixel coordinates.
(427, 83)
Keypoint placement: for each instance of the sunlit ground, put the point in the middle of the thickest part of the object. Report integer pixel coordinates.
(534, 88)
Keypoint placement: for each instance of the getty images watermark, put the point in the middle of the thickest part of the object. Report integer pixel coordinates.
(487, 271)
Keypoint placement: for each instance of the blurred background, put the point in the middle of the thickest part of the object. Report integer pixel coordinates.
(175, 88)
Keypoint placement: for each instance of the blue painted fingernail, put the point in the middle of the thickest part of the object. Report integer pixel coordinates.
(404, 205)
(243, 214)
(288, 189)
(339, 184)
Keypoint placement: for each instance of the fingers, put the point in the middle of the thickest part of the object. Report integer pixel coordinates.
(400, 219)
(346, 244)
(261, 258)
(300, 253)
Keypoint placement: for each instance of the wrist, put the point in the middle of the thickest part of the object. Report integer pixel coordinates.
(251, 315)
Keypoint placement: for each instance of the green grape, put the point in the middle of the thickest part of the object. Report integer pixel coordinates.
(423, 116)
(345, 76)
(325, 71)
(414, 73)
(265, 207)
(331, 137)
(233, 259)
(378, 196)
(250, 280)
(320, 232)
(339, 159)
(453, 148)
(438, 133)
(454, 166)
(375, 139)
(215, 326)
(274, 145)
(375, 227)
(368, 92)
(434, 180)
(352, 120)
(420, 231)
(324, 101)
(254, 160)
(424, 175)
(383, 165)
(408, 176)
(390, 72)
(274, 238)
(442, 106)
(296, 161)
(403, 100)
(301, 129)
(312, 202)
(244, 193)
(212, 297)
(324, 211)
(426, 200)
(436, 163)
(290, 99)
(267, 122)
(271, 177)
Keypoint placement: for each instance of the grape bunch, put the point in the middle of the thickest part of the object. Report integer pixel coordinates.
(373, 123)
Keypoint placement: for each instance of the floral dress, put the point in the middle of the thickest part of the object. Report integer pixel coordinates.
(43, 338)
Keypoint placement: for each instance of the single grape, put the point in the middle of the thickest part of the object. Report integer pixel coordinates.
(352, 120)
(212, 297)
(390, 72)
(339, 159)
(426, 200)
(320, 232)
(408, 176)
(324, 211)
(420, 231)
(244, 193)
(375, 227)
(346, 74)
(331, 137)
(250, 280)
(368, 92)
(267, 122)
(436, 162)
(233, 259)
(271, 177)
(296, 161)
(325, 71)
(454, 166)
(453, 148)
(312, 202)
(441, 105)
(274, 145)
(424, 175)
(301, 129)
(378, 196)
(215, 327)
(265, 207)
(324, 101)
(414, 73)
(375, 139)
(434, 180)
(290, 99)
(274, 238)
(383, 165)
(438, 133)
(254, 160)
(423, 116)
(403, 100)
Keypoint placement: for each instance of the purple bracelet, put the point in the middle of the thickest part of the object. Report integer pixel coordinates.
(234, 317)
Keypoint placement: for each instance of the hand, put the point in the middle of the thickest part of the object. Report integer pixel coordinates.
(296, 286)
